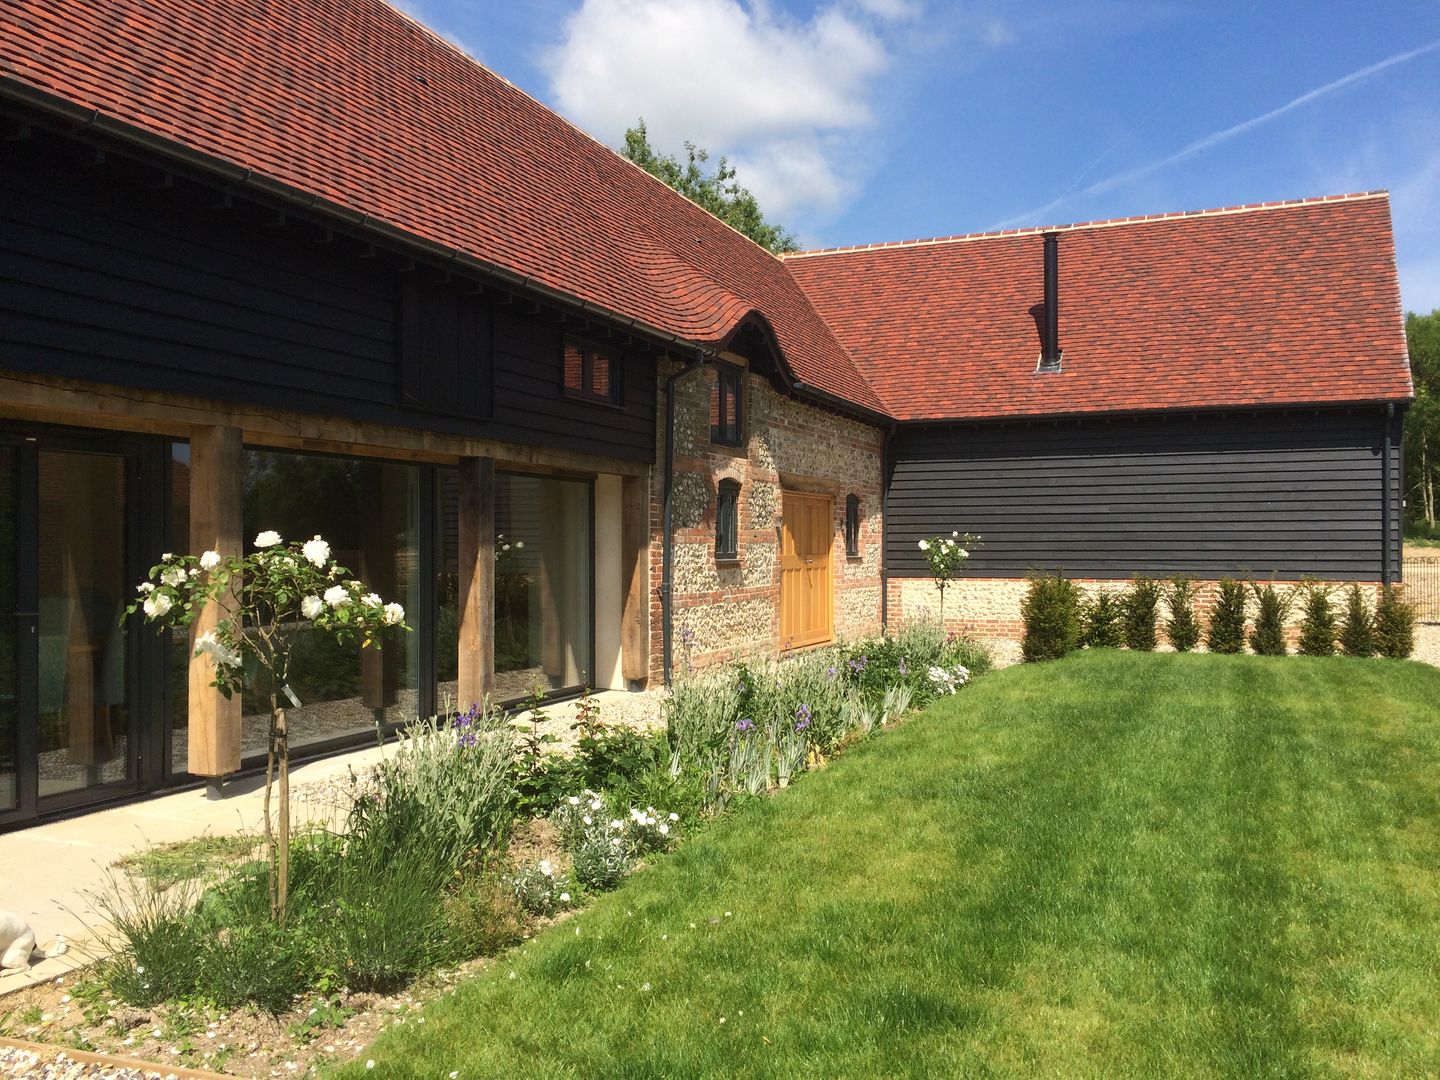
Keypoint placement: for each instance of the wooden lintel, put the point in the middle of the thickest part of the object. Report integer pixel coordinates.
(40, 399)
(217, 500)
(476, 672)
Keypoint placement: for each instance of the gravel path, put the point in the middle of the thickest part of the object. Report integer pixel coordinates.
(1427, 643)
(55, 1064)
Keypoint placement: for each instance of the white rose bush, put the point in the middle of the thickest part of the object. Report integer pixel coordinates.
(947, 556)
(269, 599)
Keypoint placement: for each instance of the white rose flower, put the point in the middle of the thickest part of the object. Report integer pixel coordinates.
(317, 551)
(956, 535)
(267, 539)
(372, 599)
(311, 606)
(172, 575)
(167, 556)
(564, 897)
(145, 587)
(394, 614)
(157, 604)
(519, 545)
(209, 560)
(337, 596)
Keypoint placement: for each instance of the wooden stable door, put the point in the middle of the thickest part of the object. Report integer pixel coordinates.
(807, 599)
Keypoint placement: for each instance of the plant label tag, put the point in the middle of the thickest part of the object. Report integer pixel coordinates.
(285, 689)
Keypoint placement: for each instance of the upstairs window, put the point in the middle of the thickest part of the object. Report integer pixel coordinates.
(852, 526)
(725, 406)
(591, 373)
(727, 521)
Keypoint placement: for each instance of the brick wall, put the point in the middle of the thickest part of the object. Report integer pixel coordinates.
(723, 609)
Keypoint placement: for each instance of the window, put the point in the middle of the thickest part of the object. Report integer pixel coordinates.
(592, 373)
(725, 418)
(727, 521)
(852, 526)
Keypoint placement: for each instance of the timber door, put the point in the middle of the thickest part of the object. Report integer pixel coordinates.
(807, 609)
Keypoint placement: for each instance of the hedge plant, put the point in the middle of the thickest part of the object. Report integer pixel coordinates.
(1139, 609)
(1183, 626)
(1357, 629)
(1317, 620)
(1051, 611)
(1395, 619)
(1102, 622)
(1227, 621)
(1267, 636)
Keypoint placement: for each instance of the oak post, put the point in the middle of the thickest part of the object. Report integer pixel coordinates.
(635, 578)
(476, 680)
(217, 499)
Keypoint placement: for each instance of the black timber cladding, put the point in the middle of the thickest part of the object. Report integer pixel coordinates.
(185, 291)
(1284, 495)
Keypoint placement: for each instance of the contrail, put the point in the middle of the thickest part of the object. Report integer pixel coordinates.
(1215, 138)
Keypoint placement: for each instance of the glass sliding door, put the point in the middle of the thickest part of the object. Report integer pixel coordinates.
(83, 578)
(370, 512)
(543, 585)
(9, 609)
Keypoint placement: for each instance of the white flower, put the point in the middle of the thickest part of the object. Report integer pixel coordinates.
(209, 560)
(213, 647)
(145, 587)
(172, 575)
(546, 868)
(372, 599)
(617, 824)
(924, 545)
(167, 556)
(664, 829)
(573, 800)
(956, 535)
(595, 804)
(394, 613)
(317, 551)
(157, 604)
(588, 820)
(674, 817)
(564, 897)
(194, 572)
(311, 606)
(267, 539)
(519, 545)
(615, 841)
(337, 596)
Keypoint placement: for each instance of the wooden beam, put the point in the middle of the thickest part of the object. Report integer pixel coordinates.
(217, 500)
(477, 581)
(635, 578)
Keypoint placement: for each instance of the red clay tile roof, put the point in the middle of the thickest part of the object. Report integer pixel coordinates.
(1283, 303)
(357, 103)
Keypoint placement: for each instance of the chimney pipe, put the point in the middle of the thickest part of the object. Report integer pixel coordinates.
(1050, 358)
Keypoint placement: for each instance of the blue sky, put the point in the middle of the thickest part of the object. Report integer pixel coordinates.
(865, 120)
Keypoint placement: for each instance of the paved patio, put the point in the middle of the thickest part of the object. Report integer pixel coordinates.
(48, 873)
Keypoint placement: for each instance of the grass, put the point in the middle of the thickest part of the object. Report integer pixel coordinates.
(1112, 865)
(1420, 535)
(197, 859)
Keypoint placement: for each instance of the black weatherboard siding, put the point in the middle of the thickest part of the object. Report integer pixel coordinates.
(113, 273)
(1287, 495)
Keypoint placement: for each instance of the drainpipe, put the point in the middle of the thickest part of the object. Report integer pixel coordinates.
(1385, 569)
(885, 452)
(667, 543)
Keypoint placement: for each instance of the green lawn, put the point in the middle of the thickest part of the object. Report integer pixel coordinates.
(1114, 865)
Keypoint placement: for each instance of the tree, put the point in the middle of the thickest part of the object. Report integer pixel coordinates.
(717, 192)
(270, 598)
(1422, 421)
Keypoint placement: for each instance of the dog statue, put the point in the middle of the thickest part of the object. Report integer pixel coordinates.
(17, 943)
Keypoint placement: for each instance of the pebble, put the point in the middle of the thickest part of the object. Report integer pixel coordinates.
(15, 1061)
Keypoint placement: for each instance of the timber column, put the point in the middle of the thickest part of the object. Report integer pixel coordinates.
(635, 579)
(217, 502)
(476, 679)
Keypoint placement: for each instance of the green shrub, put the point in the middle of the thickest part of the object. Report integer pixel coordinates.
(1357, 629)
(1183, 626)
(1317, 620)
(1267, 636)
(160, 944)
(1102, 622)
(1227, 621)
(540, 889)
(482, 917)
(1395, 619)
(1051, 611)
(1139, 608)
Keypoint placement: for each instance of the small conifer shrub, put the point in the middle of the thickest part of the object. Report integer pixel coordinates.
(1051, 610)
(1139, 611)
(1267, 636)
(1102, 622)
(1357, 629)
(1395, 619)
(1183, 626)
(1227, 621)
(1317, 620)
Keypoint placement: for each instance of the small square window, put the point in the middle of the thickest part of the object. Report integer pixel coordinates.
(726, 405)
(591, 373)
(727, 521)
(852, 526)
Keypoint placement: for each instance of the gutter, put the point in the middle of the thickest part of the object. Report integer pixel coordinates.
(667, 542)
(885, 454)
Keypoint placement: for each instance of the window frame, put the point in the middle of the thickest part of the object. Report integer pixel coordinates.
(586, 392)
(852, 526)
(727, 511)
(734, 375)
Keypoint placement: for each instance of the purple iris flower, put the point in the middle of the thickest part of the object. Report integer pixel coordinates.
(744, 724)
(904, 667)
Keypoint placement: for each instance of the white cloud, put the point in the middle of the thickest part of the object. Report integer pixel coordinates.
(787, 101)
